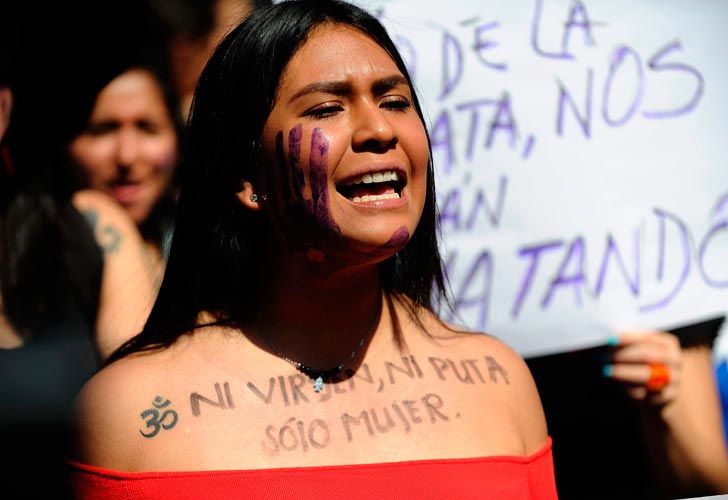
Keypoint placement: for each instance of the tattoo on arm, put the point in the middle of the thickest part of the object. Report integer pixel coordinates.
(92, 218)
(108, 236)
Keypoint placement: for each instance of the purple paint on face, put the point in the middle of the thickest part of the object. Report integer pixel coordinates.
(319, 180)
(295, 136)
(305, 218)
(165, 165)
(292, 210)
(399, 238)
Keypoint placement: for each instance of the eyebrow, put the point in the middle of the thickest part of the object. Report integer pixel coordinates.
(345, 88)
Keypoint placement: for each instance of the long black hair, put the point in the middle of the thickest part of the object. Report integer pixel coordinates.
(218, 262)
(42, 240)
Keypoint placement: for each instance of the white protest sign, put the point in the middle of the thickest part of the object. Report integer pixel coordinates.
(581, 158)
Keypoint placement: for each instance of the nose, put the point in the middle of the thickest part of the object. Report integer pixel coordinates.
(128, 148)
(373, 129)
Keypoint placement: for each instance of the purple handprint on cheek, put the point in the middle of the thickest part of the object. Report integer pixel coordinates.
(305, 222)
(319, 176)
(295, 137)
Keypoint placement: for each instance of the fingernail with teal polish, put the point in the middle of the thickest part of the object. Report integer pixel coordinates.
(613, 341)
(607, 370)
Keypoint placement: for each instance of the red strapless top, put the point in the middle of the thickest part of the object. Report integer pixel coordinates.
(494, 478)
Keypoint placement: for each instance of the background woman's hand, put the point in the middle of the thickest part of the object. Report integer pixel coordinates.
(639, 356)
(681, 421)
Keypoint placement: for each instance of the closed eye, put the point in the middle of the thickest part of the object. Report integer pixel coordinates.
(101, 128)
(147, 126)
(396, 103)
(325, 111)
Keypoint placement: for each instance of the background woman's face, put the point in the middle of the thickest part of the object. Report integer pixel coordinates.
(349, 147)
(129, 147)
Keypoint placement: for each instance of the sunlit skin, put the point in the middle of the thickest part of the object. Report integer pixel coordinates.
(343, 110)
(129, 147)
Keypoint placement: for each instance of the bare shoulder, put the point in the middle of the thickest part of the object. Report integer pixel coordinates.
(523, 400)
(457, 339)
(121, 408)
(507, 377)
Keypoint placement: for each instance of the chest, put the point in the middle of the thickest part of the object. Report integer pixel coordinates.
(385, 412)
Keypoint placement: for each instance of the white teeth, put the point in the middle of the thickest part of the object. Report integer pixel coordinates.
(387, 196)
(373, 178)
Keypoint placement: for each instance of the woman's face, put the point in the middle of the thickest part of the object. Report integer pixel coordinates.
(349, 148)
(129, 147)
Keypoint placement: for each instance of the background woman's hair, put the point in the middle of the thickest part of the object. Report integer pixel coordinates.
(218, 261)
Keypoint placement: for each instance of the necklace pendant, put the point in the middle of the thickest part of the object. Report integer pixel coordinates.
(318, 384)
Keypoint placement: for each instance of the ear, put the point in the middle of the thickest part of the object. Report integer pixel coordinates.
(247, 198)
(6, 105)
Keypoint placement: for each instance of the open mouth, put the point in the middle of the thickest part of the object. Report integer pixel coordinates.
(373, 187)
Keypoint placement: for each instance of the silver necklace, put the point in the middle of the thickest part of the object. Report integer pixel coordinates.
(320, 376)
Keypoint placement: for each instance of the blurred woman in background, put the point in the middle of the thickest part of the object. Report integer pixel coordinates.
(76, 277)
(128, 149)
(124, 140)
(116, 131)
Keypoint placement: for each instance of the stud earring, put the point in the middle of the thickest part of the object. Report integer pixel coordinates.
(254, 198)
